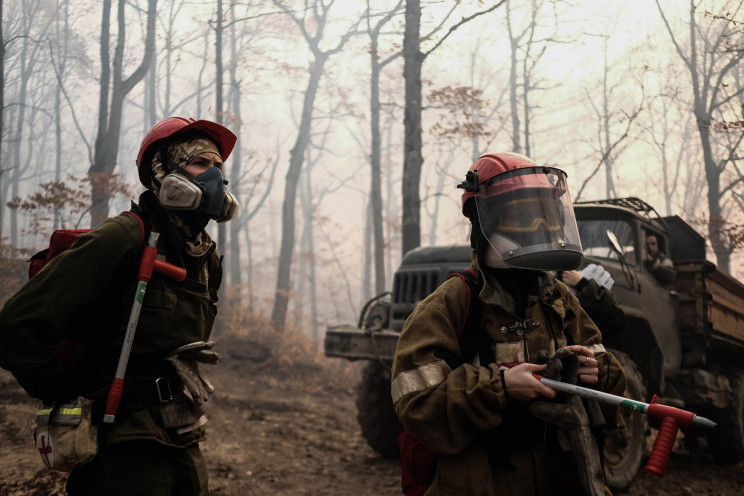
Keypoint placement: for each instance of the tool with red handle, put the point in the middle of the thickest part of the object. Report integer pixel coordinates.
(671, 419)
(149, 264)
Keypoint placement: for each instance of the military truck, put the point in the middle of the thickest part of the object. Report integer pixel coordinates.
(683, 341)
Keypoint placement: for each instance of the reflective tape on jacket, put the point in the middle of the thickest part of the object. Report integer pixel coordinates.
(418, 379)
(70, 414)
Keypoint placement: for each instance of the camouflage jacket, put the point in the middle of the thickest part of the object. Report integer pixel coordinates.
(62, 333)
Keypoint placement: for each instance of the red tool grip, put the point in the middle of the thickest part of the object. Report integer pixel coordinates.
(114, 396)
(683, 418)
(169, 270)
(147, 263)
(657, 460)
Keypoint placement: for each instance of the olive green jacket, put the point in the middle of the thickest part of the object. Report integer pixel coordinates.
(486, 443)
(61, 334)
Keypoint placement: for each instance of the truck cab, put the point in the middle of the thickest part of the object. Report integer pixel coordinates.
(650, 305)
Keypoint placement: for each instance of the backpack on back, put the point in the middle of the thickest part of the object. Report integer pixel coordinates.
(62, 239)
(417, 463)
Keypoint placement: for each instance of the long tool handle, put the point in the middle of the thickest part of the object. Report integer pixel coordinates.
(143, 277)
(149, 264)
(671, 419)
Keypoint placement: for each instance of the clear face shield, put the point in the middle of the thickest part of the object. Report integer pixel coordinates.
(527, 217)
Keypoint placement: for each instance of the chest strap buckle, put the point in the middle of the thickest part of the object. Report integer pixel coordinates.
(520, 327)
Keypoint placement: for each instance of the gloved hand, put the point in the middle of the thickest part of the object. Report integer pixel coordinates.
(599, 274)
(568, 413)
(563, 411)
(185, 360)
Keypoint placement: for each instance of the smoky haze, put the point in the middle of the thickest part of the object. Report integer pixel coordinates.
(616, 93)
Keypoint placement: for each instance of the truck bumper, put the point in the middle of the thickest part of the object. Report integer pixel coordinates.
(346, 341)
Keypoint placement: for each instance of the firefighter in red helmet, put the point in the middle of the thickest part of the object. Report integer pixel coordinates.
(63, 331)
(494, 428)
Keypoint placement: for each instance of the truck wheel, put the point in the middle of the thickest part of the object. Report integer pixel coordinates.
(624, 446)
(375, 412)
(726, 442)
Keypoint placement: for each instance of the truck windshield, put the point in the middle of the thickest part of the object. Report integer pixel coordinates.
(593, 234)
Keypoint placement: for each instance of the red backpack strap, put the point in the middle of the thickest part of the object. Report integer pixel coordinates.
(473, 341)
(145, 227)
(474, 284)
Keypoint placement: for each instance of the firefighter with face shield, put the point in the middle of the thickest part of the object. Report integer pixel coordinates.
(63, 332)
(494, 428)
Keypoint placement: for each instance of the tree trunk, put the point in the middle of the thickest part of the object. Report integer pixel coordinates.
(63, 39)
(412, 157)
(110, 113)
(375, 192)
(513, 85)
(308, 279)
(235, 165)
(296, 158)
(713, 179)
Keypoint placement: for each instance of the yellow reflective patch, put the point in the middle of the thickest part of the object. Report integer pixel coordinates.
(418, 379)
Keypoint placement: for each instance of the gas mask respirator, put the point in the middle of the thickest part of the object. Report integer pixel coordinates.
(205, 194)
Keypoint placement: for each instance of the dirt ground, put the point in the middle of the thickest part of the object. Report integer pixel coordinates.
(290, 428)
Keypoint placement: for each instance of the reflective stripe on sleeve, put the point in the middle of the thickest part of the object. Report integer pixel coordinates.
(597, 348)
(418, 379)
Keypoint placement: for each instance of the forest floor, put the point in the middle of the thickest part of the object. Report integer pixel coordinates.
(289, 427)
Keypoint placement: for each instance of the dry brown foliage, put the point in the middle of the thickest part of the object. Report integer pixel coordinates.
(247, 336)
(70, 200)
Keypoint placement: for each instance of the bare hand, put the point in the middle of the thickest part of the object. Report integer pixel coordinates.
(571, 277)
(521, 385)
(588, 365)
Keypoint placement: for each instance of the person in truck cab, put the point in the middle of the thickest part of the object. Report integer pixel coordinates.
(657, 263)
(494, 428)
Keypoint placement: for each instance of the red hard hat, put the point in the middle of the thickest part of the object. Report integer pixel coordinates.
(173, 126)
(488, 166)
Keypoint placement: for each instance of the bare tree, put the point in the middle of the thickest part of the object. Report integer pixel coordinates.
(413, 160)
(29, 97)
(668, 128)
(526, 51)
(113, 90)
(375, 210)
(711, 56)
(314, 17)
(613, 126)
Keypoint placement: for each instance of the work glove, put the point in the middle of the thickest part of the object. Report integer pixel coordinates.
(599, 274)
(569, 414)
(186, 359)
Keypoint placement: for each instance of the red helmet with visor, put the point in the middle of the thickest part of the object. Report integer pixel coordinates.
(524, 211)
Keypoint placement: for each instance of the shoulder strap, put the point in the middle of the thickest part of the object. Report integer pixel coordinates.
(473, 341)
(145, 227)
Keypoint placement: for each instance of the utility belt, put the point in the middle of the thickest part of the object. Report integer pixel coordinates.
(70, 435)
(158, 391)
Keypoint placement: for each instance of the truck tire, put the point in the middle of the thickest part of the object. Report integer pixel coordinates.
(624, 447)
(375, 412)
(726, 442)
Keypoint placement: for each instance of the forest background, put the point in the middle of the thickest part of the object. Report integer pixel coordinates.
(356, 120)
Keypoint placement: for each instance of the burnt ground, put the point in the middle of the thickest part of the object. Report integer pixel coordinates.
(289, 427)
